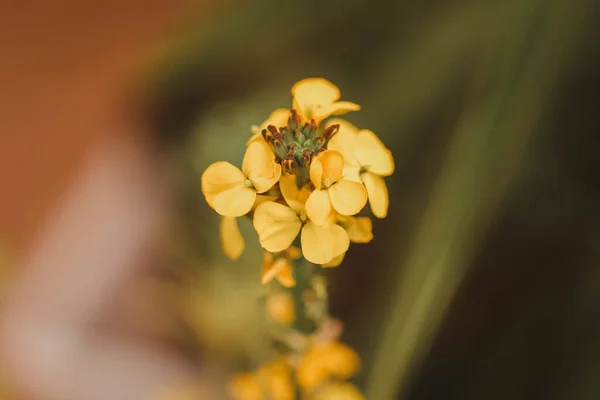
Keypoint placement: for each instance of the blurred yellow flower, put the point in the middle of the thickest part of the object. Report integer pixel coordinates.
(271, 381)
(332, 190)
(279, 266)
(367, 155)
(317, 98)
(232, 192)
(277, 118)
(326, 360)
(338, 391)
(280, 307)
(277, 379)
(246, 386)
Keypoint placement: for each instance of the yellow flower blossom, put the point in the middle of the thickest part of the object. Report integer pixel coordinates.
(232, 192)
(272, 381)
(278, 118)
(332, 190)
(277, 379)
(278, 225)
(326, 360)
(363, 151)
(338, 391)
(246, 386)
(280, 267)
(317, 98)
(280, 307)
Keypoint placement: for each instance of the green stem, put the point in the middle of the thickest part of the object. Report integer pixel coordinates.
(303, 272)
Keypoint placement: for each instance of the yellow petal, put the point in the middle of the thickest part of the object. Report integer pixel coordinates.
(338, 108)
(286, 277)
(256, 137)
(260, 167)
(372, 154)
(277, 118)
(360, 229)
(318, 207)
(335, 262)
(261, 198)
(277, 226)
(378, 194)
(326, 168)
(315, 91)
(232, 241)
(291, 193)
(344, 141)
(348, 197)
(220, 177)
(235, 202)
(321, 244)
(352, 173)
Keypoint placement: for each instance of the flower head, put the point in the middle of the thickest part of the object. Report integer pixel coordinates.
(371, 160)
(326, 360)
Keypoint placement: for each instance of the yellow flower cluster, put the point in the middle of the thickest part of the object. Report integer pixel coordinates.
(302, 176)
(319, 374)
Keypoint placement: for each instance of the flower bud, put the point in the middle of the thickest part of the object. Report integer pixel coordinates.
(331, 131)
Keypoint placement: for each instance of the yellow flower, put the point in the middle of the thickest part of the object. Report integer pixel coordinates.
(272, 381)
(317, 98)
(280, 307)
(277, 379)
(367, 155)
(245, 386)
(278, 225)
(332, 190)
(280, 268)
(232, 192)
(326, 360)
(338, 391)
(278, 118)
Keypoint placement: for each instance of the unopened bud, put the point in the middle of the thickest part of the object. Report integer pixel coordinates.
(294, 122)
(307, 155)
(331, 131)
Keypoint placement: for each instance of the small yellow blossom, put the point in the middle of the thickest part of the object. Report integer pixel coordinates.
(280, 307)
(332, 190)
(277, 379)
(271, 381)
(278, 225)
(278, 118)
(280, 267)
(363, 151)
(338, 391)
(317, 98)
(246, 386)
(232, 192)
(326, 360)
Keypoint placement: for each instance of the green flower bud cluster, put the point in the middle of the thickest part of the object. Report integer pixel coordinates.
(296, 144)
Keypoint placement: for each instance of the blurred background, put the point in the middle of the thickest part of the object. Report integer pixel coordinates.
(482, 283)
